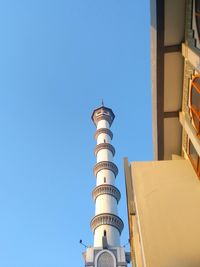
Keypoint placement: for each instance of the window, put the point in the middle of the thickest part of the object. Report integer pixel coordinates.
(104, 233)
(195, 103)
(104, 179)
(194, 158)
(197, 16)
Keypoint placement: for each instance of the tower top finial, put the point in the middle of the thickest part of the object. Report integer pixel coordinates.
(102, 103)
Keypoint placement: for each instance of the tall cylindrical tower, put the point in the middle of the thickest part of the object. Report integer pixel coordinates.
(106, 224)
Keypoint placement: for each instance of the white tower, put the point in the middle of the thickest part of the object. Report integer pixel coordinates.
(106, 224)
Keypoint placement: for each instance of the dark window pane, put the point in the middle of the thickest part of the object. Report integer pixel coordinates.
(197, 12)
(197, 6)
(193, 155)
(196, 121)
(197, 81)
(195, 99)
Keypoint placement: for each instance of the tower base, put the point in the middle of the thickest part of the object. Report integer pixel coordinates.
(112, 257)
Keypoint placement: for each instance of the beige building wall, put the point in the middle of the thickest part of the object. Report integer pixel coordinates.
(164, 217)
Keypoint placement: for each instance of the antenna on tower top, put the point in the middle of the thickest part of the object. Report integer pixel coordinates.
(102, 103)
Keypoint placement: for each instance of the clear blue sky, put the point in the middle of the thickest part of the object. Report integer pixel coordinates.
(58, 59)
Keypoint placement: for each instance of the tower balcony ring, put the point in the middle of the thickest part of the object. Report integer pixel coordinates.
(107, 219)
(106, 189)
(103, 130)
(104, 146)
(106, 117)
(108, 165)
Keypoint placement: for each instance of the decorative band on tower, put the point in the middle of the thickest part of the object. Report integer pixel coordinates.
(106, 189)
(104, 146)
(105, 165)
(107, 219)
(105, 131)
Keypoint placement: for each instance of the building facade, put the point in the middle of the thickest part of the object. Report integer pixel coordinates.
(163, 196)
(106, 224)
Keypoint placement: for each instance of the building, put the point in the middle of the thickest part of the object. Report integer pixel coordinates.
(106, 224)
(163, 196)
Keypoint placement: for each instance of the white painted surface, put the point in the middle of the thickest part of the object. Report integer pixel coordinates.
(109, 175)
(104, 155)
(102, 137)
(89, 255)
(113, 236)
(106, 204)
(102, 124)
